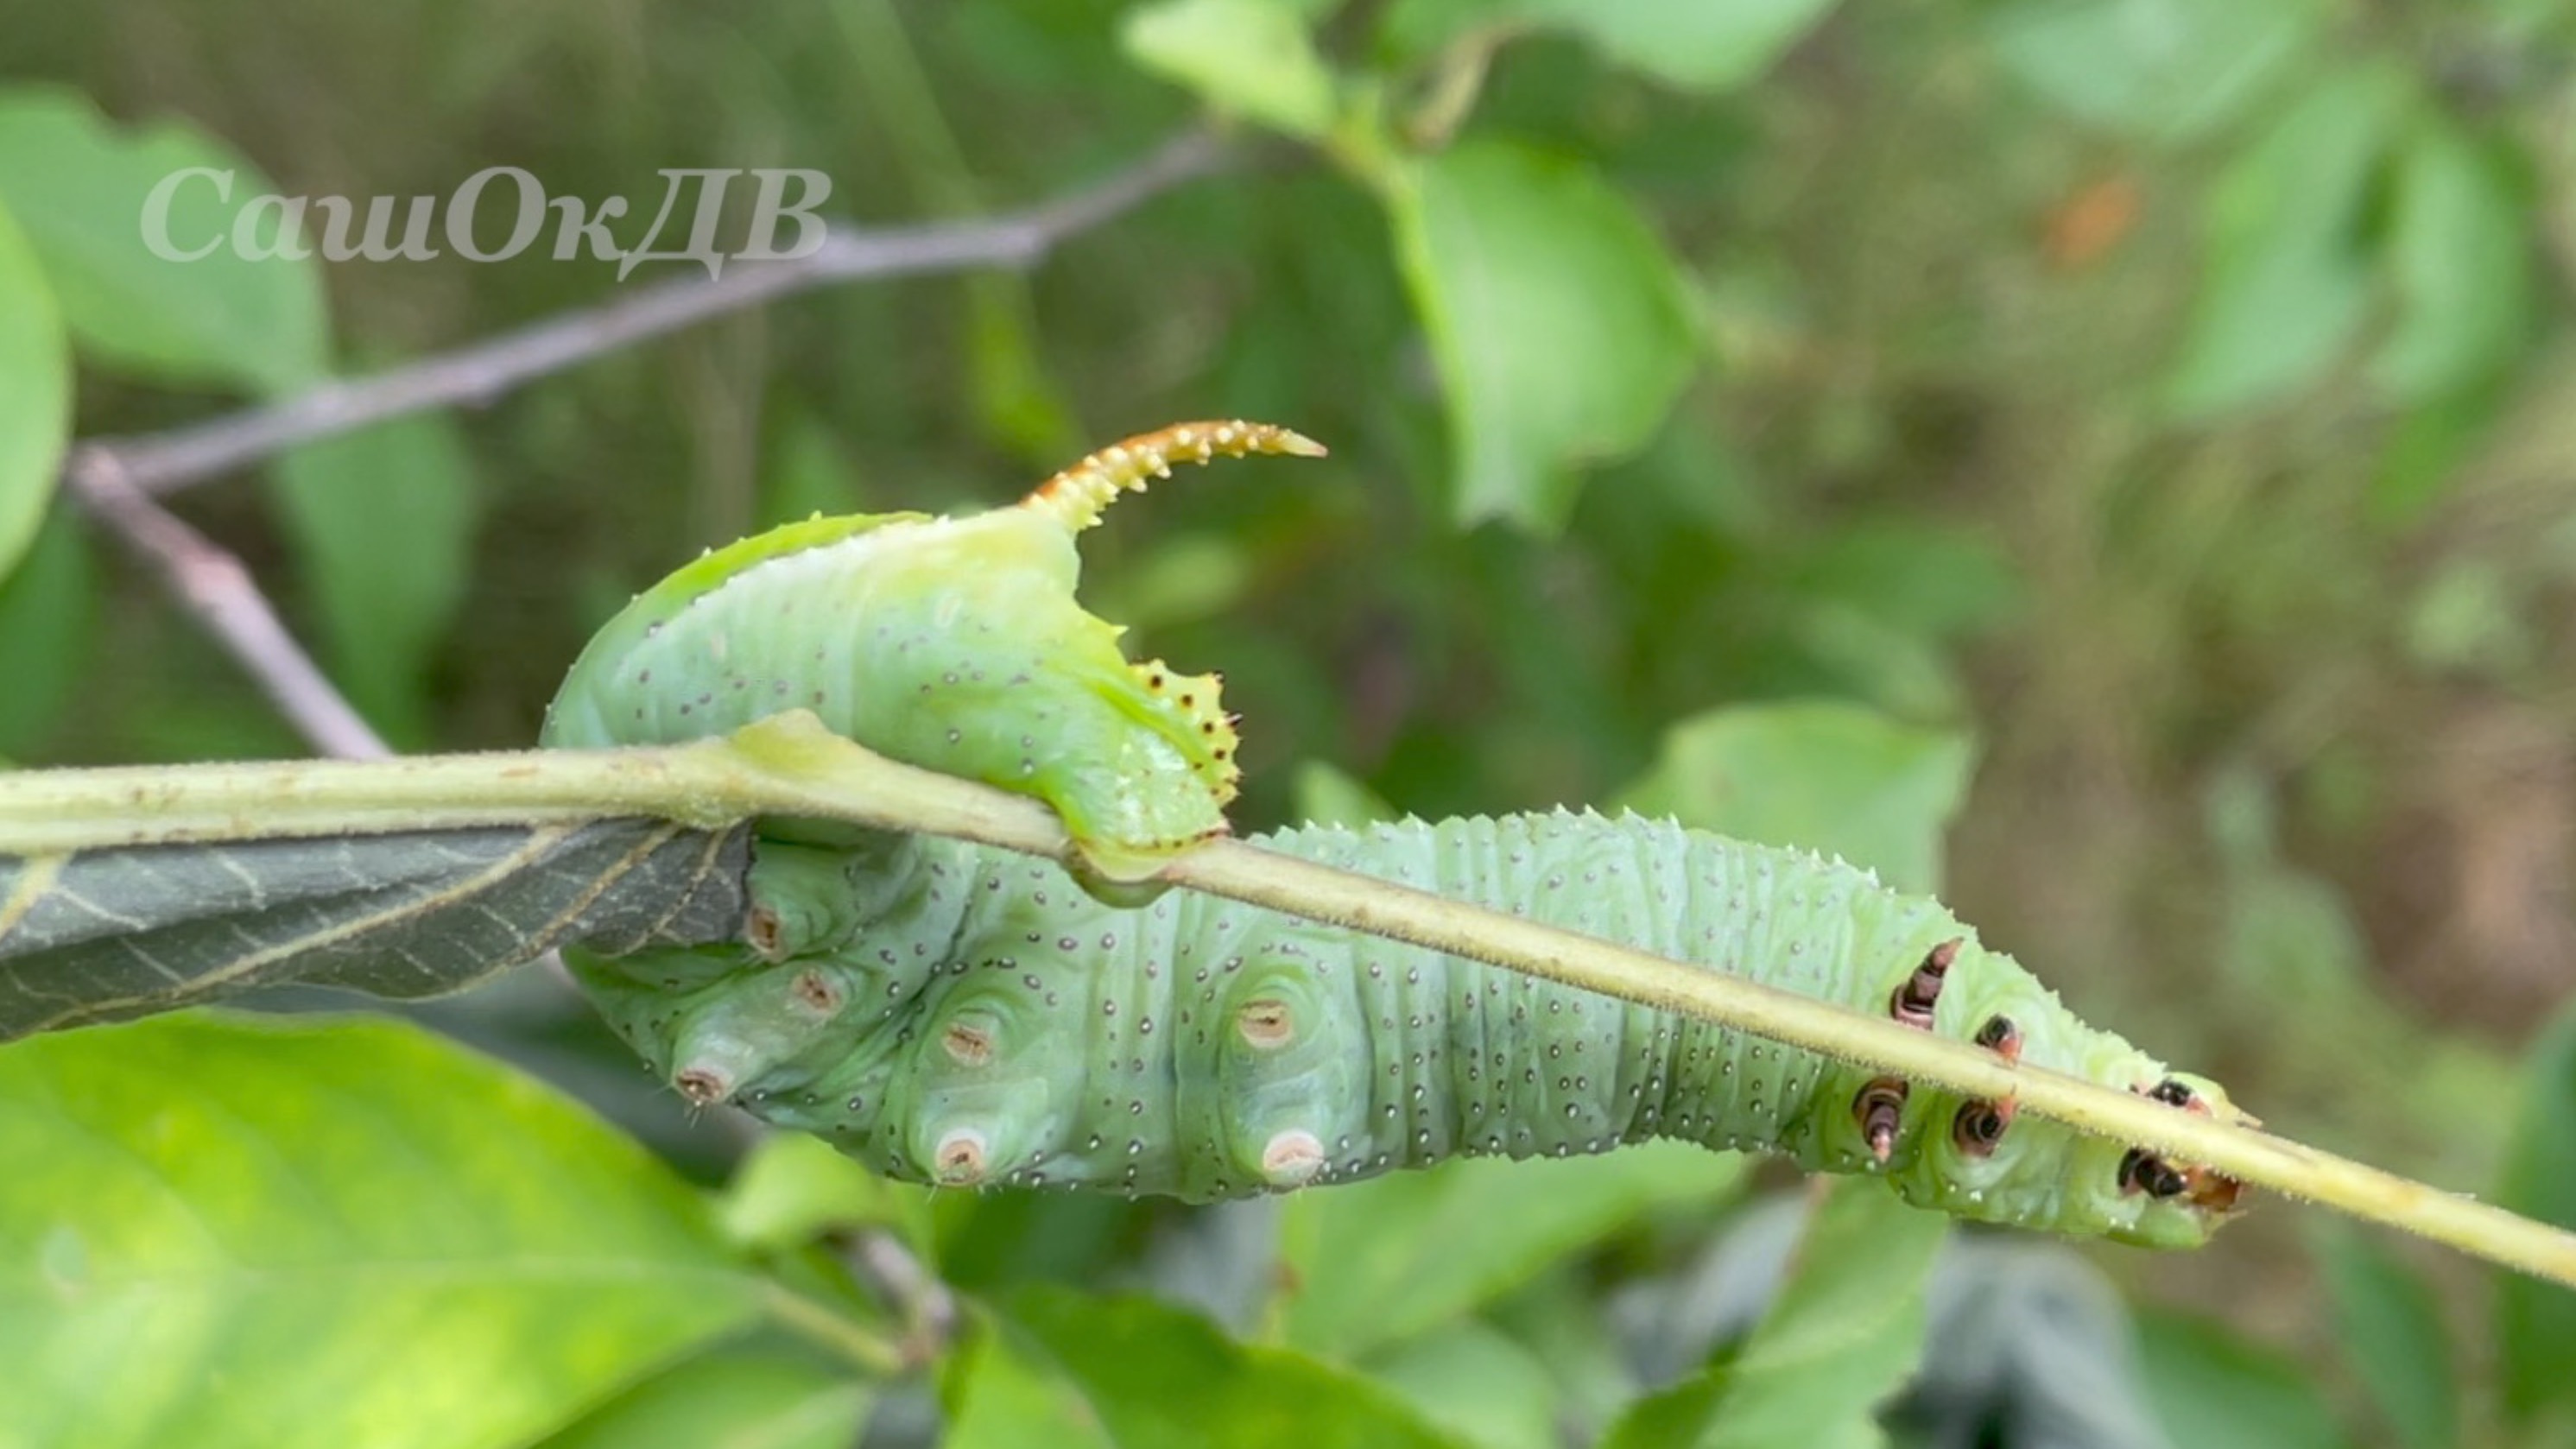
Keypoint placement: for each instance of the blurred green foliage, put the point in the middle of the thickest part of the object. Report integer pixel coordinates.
(2152, 417)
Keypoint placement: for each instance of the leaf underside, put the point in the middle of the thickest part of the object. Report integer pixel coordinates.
(106, 935)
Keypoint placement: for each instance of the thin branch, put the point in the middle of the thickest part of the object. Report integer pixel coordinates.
(478, 373)
(791, 765)
(218, 590)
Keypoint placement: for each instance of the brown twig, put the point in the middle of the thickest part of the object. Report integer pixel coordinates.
(472, 375)
(219, 591)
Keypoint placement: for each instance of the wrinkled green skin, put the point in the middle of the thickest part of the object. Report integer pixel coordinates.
(1115, 1053)
(953, 1014)
(952, 644)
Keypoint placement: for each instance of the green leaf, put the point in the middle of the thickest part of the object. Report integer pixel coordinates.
(1002, 1393)
(105, 935)
(1841, 1338)
(1148, 1377)
(35, 392)
(2460, 255)
(48, 613)
(2393, 1334)
(1562, 330)
(2217, 1391)
(1379, 1261)
(2164, 70)
(2536, 1321)
(383, 525)
(794, 1188)
(2288, 273)
(1688, 43)
(1478, 1383)
(228, 1231)
(81, 187)
(1327, 796)
(1252, 58)
(1831, 777)
(733, 1398)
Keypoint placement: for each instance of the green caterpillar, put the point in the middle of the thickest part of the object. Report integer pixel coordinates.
(961, 1016)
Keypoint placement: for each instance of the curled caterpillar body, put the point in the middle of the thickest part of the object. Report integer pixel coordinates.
(991, 1023)
(955, 644)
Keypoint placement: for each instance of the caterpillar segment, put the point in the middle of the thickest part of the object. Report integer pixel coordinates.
(1005, 1028)
(955, 644)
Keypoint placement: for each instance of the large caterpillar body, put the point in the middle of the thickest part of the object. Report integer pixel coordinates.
(967, 1017)
(991, 1022)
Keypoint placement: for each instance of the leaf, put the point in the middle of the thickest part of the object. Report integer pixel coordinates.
(1690, 44)
(2163, 70)
(109, 934)
(1480, 1384)
(2393, 1334)
(794, 1188)
(1687, 43)
(2459, 254)
(1841, 1337)
(48, 613)
(226, 1231)
(80, 187)
(1252, 58)
(1561, 328)
(1150, 1377)
(2535, 1321)
(2217, 1391)
(2288, 274)
(733, 1398)
(383, 526)
(1831, 777)
(35, 392)
(1377, 1262)
(1327, 796)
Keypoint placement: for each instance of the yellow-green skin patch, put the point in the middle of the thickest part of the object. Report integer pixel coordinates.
(952, 644)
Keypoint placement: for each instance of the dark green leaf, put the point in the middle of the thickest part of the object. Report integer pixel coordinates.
(2393, 1335)
(2162, 69)
(231, 1232)
(1376, 1262)
(2536, 1321)
(1831, 777)
(110, 934)
(733, 1398)
(1562, 330)
(81, 187)
(1840, 1339)
(1152, 1377)
(383, 524)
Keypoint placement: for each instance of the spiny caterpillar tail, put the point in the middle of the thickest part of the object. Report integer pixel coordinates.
(984, 1022)
(1078, 496)
(955, 644)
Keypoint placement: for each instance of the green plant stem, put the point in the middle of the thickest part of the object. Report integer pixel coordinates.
(869, 1352)
(791, 765)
